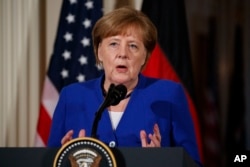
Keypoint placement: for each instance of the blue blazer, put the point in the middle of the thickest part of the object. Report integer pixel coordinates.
(152, 101)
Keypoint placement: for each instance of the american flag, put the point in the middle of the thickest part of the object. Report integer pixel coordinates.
(72, 60)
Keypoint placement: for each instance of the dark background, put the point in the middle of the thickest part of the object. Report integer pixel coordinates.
(219, 32)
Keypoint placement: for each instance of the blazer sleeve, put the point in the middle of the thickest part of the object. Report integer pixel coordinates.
(183, 126)
(57, 127)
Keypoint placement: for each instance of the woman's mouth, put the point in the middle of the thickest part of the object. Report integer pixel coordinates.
(121, 68)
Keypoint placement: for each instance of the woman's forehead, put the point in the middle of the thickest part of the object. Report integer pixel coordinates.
(128, 31)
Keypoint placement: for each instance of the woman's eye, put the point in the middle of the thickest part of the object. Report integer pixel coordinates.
(113, 44)
(133, 46)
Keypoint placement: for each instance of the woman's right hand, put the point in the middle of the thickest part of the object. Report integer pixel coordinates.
(69, 135)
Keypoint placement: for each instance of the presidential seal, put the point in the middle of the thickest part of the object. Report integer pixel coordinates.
(84, 152)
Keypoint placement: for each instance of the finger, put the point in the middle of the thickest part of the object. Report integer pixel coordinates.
(151, 144)
(143, 137)
(67, 137)
(157, 133)
(82, 133)
(156, 137)
(154, 141)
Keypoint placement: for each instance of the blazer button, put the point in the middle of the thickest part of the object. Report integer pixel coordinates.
(112, 144)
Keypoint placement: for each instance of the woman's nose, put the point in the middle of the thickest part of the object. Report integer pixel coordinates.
(123, 52)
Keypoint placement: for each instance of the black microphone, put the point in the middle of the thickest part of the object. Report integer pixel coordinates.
(114, 96)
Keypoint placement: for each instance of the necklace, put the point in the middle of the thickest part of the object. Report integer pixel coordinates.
(104, 93)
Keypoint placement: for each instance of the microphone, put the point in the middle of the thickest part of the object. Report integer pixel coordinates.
(114, 96)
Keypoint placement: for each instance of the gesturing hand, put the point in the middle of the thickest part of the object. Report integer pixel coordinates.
(155, 138)
(69, 135)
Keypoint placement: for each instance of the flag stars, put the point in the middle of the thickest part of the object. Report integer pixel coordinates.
(66, 54)
(85, 42)
(80, 78)
(87, 23)
(65, 73)
(72, 1)
(70, 18)
(68, 37)
(83, 60)
(89, 4)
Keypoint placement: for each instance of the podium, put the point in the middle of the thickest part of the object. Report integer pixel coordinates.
(125, 157)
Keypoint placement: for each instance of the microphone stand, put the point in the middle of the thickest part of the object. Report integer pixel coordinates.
(114, 96)
(97, 118)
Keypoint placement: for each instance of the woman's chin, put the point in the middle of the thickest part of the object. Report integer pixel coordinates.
(121, 79)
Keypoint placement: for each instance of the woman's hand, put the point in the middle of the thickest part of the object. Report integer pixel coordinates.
(69, 135)
(155, 139)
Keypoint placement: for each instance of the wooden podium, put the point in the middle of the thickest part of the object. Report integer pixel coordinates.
(125, 157)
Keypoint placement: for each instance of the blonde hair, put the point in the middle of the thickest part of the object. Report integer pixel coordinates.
(118, 22)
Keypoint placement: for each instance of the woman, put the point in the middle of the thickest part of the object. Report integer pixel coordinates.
(153, 114)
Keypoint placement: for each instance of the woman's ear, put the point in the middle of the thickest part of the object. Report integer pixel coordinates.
(146, 59)
(99, 55)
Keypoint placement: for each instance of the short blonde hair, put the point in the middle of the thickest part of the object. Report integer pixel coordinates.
(118, 22)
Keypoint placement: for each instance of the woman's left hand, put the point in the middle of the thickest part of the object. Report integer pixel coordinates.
(155, 138)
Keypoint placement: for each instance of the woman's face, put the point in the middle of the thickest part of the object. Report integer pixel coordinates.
(122, 57)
